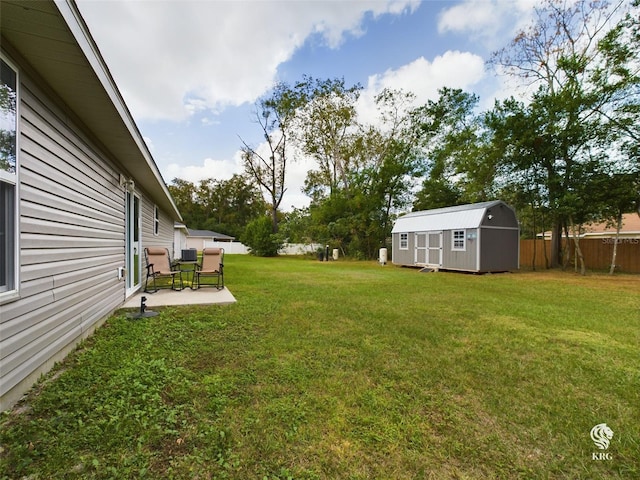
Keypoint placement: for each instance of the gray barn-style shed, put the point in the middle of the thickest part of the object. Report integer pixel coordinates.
(480, 237)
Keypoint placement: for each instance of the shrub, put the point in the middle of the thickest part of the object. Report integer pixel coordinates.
(260, 239)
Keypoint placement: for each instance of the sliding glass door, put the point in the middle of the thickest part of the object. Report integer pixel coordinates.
(133, 253)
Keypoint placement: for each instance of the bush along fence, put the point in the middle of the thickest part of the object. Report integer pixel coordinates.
(597, 253)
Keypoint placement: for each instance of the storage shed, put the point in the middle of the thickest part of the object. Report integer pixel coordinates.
(480, 237)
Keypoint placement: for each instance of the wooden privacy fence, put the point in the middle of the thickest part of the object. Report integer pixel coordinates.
(597, 253)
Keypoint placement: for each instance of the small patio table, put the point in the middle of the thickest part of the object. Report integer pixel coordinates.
(191, 268)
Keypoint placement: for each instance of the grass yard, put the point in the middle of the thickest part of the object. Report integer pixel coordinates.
(349, 370)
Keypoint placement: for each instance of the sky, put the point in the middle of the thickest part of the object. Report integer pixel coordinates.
(191, 71)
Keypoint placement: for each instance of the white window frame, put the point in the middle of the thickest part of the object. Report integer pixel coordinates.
(10, 291)
(458, 236)
(403, 240)
(156, 220)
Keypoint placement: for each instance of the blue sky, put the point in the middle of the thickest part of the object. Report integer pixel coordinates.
(191, 70)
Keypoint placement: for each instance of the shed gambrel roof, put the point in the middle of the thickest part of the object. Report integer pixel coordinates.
(448, 218)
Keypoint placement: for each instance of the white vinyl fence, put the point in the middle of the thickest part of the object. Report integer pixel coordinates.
(299, 248)
(287, 248)
(229, 247)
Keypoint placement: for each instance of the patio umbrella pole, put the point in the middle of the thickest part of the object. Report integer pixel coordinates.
(143, 313)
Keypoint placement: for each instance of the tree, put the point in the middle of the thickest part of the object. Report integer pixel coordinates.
(268, 167)
(437, 193)
(383, 164)
(260, 239)
(570, 54)
(460, 165)
(225, 206)
(296, 226)
(364, 169)
(623, 192)
(230, 204)
(618, 79)
(8, 107)
(324, 127)
(184, 196)
(516, 133)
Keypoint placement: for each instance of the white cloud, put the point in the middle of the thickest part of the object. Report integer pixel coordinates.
(209, 168)
(178, 57)
(296, 175)
(149, 144)
(492, 22)
(424, 78)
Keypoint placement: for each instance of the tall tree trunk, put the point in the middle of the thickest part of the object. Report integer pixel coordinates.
(535, 237)
(556, 243)
(576, 243)
(544, 244)
(615, 244)
(274, 219)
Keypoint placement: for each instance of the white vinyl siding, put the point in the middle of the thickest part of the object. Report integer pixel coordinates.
(164, 237)
(71, 230)
(68, 208)
(71, 242)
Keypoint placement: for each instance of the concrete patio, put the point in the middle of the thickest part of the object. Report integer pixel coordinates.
(167, 297)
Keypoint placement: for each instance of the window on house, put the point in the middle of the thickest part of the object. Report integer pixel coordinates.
(458, 240)
(156, 220)
(404, 241)
(8, 176)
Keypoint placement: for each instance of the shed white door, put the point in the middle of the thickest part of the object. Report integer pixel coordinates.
(428, 250)
(434, 251)
(421, 249)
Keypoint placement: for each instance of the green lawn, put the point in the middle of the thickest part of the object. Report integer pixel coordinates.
(349, 370)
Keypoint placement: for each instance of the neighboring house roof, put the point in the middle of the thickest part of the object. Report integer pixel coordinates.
(630, 224)
(630, 228)
(209, 234)
(54, 38)
(448, 218)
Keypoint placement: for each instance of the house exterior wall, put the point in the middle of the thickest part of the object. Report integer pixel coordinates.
(199, 243)
(455, 260)
(499, 240)
(71, 241)
(179, 242)
(164, 237)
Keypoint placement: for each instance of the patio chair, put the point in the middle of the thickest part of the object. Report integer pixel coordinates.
(212, 267)
(159, 266)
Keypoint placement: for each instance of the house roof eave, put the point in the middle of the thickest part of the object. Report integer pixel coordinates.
(54, 39)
